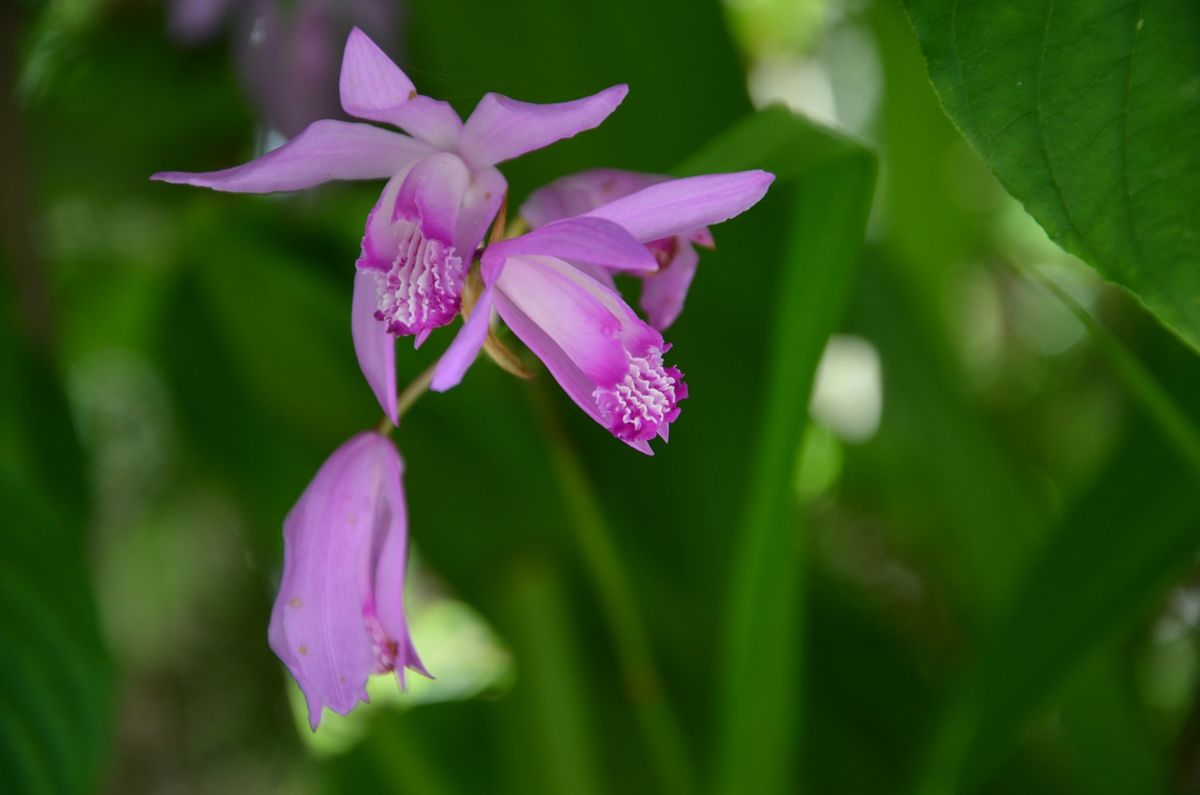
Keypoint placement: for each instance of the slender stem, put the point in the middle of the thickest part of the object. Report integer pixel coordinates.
(1154, 398)
(617, 603)
(407, 397)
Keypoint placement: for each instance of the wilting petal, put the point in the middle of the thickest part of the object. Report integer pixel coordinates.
(374, 346)
(327, 150)
(591, 241)
(345, 535)
(576, 194)
(663, 293)
(500, 128)
(683, 205)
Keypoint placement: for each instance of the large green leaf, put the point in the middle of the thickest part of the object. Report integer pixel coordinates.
(1089, 112)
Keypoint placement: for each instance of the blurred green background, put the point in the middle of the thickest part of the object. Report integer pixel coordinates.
(928, 523)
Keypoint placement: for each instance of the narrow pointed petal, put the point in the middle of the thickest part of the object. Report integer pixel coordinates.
(500, 128)
(325, 151)
(373, 87)
(371, 84)
(683, 205)
(317, 624)
(663, 293)
(463, 351)
(374, 346)
(592, 241)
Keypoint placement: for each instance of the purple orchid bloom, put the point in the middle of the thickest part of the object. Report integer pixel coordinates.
(600, 352)
(443, 191)
(663, 290)
(339, 615)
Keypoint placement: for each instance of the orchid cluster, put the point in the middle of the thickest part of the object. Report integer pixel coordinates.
(339, 615)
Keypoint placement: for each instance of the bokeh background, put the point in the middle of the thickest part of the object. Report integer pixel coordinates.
(920, 527)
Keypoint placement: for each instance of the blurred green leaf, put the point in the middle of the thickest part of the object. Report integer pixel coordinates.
(54, 671)
(1089, 112)
(1118, 548)
(828, 183)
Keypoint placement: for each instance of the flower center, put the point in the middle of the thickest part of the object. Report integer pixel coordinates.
(423, 288)
(642, 404)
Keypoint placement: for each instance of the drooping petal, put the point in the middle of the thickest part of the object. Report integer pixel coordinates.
(327, 150)
(683, 205)
(592, 241)
(576, 194)
(576, 383)
(466, 344)
(374, 346)
(384, 615)
(551, 295)
(332, 535)
(663, 293)
(500, 128)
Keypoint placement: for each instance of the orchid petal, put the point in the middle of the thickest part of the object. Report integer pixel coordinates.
(374, 346)
(663, 293)
(592, 241)
(465, 348)
(326, 150)
(576, 194)
(563, 303)
(683, 205)
(348, 521)
(432, 120)
(371, 85)
(381, 237)
(481, 202)
(432, 194)
(500, 128)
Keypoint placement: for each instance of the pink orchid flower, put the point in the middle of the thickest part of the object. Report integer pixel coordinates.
(339, 614)
(607, 359)
(443, 191)
(664, 290)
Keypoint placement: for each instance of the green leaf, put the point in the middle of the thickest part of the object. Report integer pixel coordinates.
(827, 183)
(54, 672)
(1089, 113)
(1119, 547)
